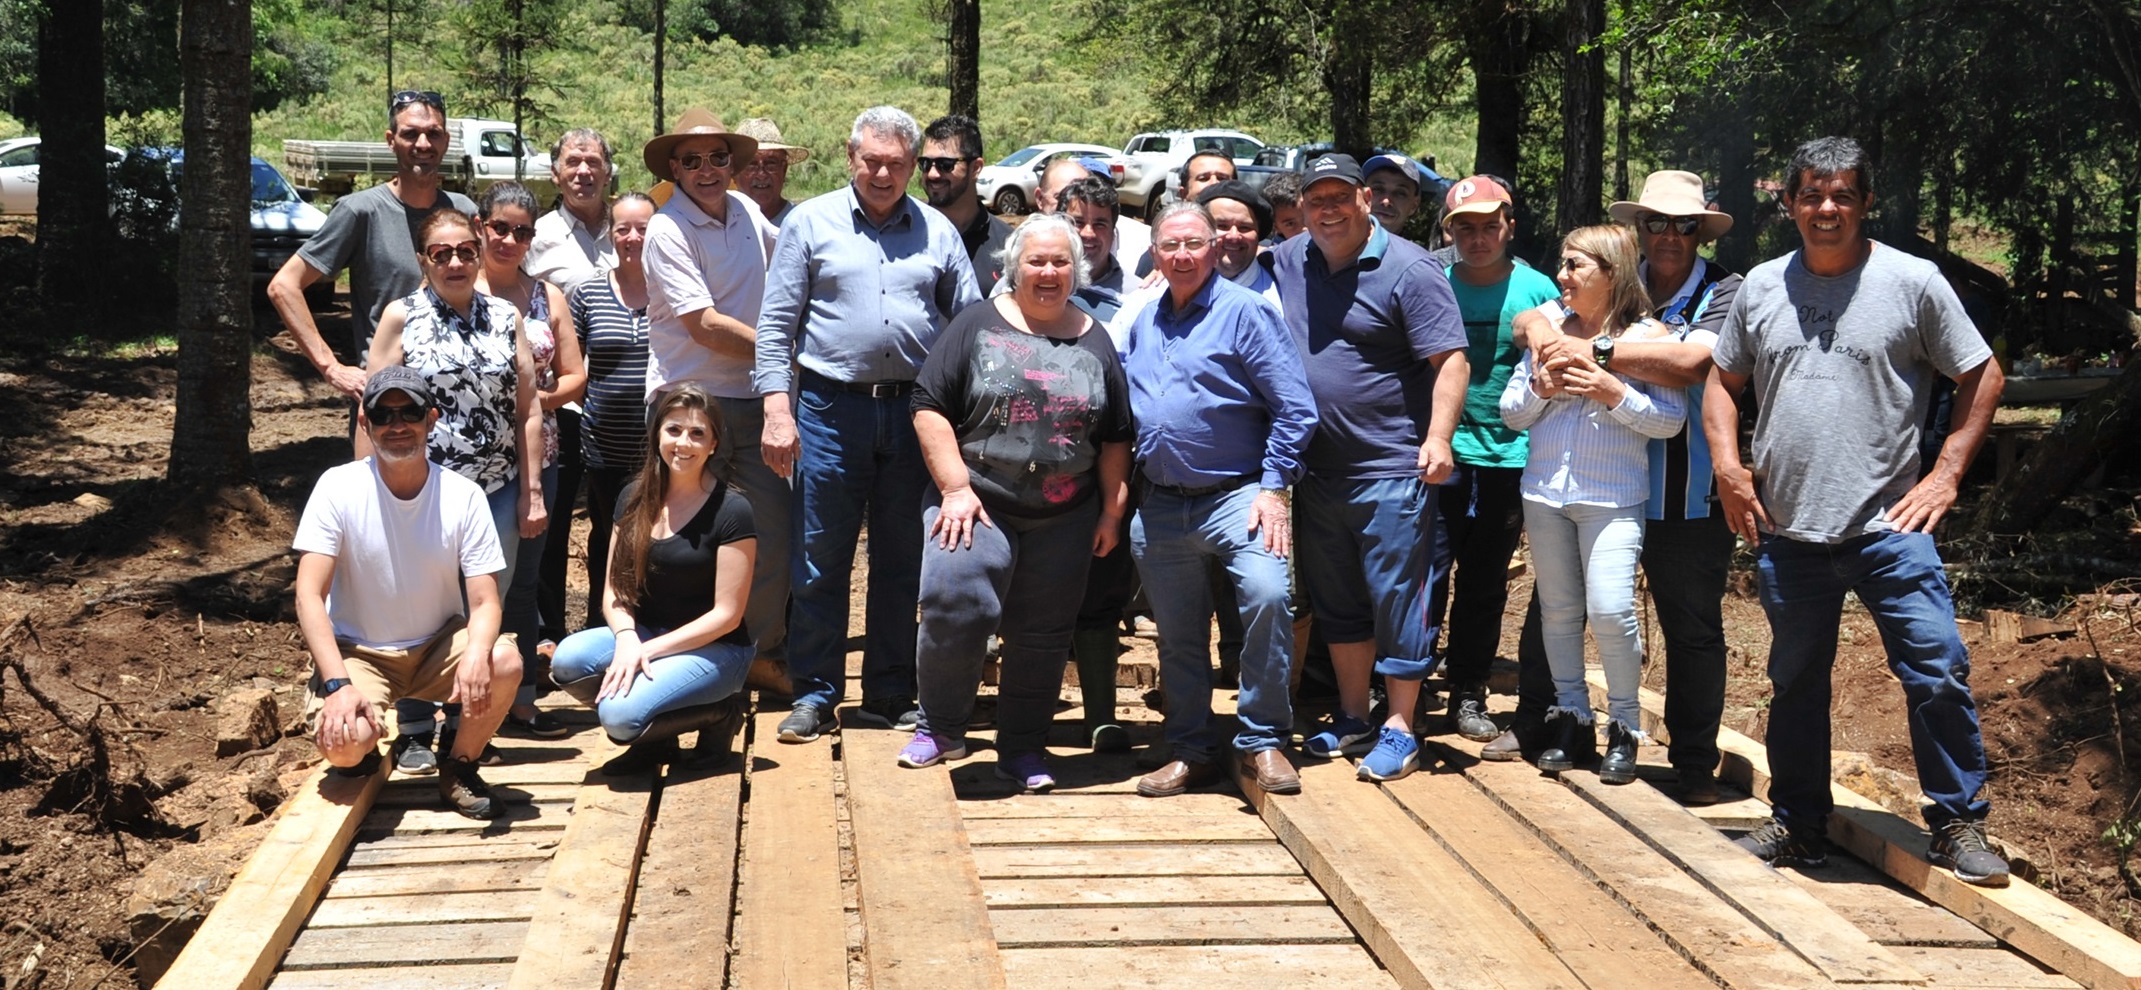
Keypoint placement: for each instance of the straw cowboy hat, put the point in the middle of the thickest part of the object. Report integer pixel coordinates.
(1674, 194)
(768, 134)
(695, 123)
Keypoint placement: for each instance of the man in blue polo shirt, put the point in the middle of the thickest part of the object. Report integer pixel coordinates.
(1224, 413)
(1384, 346)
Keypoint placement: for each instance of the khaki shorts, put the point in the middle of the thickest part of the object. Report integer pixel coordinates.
(424, 672)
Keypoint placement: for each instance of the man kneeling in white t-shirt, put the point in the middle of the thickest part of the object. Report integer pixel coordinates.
(390, 545)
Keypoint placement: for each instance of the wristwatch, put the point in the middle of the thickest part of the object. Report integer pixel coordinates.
(329, 687)
(1602, 351)
(1278, 493)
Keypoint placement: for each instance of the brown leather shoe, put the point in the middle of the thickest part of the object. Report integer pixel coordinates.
(1178, 777)
(1504, 749)
(1273, 773)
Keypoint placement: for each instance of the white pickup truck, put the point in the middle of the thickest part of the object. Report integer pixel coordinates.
(1144, 172)
(478, 153)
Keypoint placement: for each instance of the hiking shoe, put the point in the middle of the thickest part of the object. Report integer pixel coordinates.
(890, 713)
(464, 791)
(1396, 755)
(1468, 714)
(543, 726)
(1960, 845)
(928, 750)
(364, 768)
(1780, 845)
(413, 756)
(806, 722)
(1028, 770)
(1347, 736)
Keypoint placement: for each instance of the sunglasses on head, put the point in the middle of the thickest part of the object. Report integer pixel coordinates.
(519, 232)
(711, 159)
(408, 96)
(944, 165)
(1684, 226)
(411, 414)
(467, 251)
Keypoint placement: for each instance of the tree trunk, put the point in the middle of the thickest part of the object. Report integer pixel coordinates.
(1736, 195)
(2129, 259)
(2099, 427)
(1500, 55)
(963, 57)
(1348, 76)
(74, 196)
(517, 76)
(661, 53)
(1620, 130)
(210, 439)
(1583, 106)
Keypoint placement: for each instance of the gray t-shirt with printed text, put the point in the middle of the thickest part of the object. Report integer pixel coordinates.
(1842, 368)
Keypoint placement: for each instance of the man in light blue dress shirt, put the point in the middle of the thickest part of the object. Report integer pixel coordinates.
(862, 282)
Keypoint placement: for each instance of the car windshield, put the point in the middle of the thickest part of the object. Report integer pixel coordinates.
(268, 185)
(1019, 157)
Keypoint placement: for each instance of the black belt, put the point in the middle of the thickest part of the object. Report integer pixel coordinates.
(1200, 491)
(875, 390)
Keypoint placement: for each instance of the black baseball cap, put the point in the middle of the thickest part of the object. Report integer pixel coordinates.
(1341, 167)
(398, 378)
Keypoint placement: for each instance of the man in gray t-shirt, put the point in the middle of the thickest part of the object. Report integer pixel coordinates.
(373, 233)
(1841, 341)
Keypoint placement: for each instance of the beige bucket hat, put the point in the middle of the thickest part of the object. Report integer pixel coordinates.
(1674, 194)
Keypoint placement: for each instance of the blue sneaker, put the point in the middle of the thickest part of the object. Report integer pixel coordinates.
(926, 750)
(1028, 770)
(1347, 736)
(1396, 755)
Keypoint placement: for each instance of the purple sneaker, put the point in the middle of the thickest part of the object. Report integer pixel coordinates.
(927, 750)
(1028, 770)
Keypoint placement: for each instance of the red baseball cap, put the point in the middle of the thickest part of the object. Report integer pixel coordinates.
(1477, 194)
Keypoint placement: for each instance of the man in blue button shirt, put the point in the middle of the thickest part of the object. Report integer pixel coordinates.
(1384, 345)
(862, 282)
(1224, 413)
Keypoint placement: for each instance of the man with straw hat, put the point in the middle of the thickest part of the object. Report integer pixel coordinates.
(764, 177)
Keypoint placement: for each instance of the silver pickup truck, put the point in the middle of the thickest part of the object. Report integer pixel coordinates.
(478, 153)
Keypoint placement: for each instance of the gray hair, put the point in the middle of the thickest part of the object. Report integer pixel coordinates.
(1042, 223)
(1178, 208)
(886, 121)
(582, 135)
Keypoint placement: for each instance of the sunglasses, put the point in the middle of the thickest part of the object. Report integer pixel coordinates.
(694, 161)
(1578, 265)
(406, 97)
(385, 416)
(1684, 226)
(467, 251)
(944, 165)
(519, 232)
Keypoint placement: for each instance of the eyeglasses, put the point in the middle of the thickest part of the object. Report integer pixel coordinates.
(944, 165)
(467, 251)
(1684, 226)
(384, 416)
(426, 97)
(1171, 246)
(696, 160)
(519, 232)
(1574, 265)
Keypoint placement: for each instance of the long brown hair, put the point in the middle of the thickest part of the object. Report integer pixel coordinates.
(1614, 248)
(643, 504)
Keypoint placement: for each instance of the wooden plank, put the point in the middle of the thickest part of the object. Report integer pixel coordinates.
(789, 920)
(1148, 828)
(1426, 918)
(925, 924)
(1076, 771)
(459, 877)
(426, 795)
(678, 938)
(1708, 932)
(1204, 967)
(1835, 946)
(1983, 968)
(1135, 860)
(479, 976)
(1171, 924)
(427, 907)
(258, 916)
(408, 821)
(1149, 891)
(443, 854)
(407, 945)
(1882, 908)
(1054, 805)
(577, 928)
(1598, 939)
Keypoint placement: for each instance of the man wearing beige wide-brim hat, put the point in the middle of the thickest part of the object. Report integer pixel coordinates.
(765, 177)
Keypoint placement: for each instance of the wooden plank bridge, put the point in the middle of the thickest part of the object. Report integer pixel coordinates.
(825, 867)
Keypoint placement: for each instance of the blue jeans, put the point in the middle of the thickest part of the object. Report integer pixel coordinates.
(1015, 582)
(679, 680)
(1173, 538)
(856, 455)
(1585, 559)
(1479, 519)
(523, 600)
(1363, 549)
(414, 716)
(1899, 579)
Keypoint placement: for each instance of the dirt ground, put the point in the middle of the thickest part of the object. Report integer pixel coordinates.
(135, 620)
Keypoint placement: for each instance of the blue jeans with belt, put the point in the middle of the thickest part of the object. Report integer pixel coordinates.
(1898, 577)
(857, 458)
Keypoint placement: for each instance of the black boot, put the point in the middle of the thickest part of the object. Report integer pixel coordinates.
(583, 690)
(716, 724)
(1096, 651)
(1569, 741)
(1618, 767)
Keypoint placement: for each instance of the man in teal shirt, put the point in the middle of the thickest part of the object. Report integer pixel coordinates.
(1481, 514)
